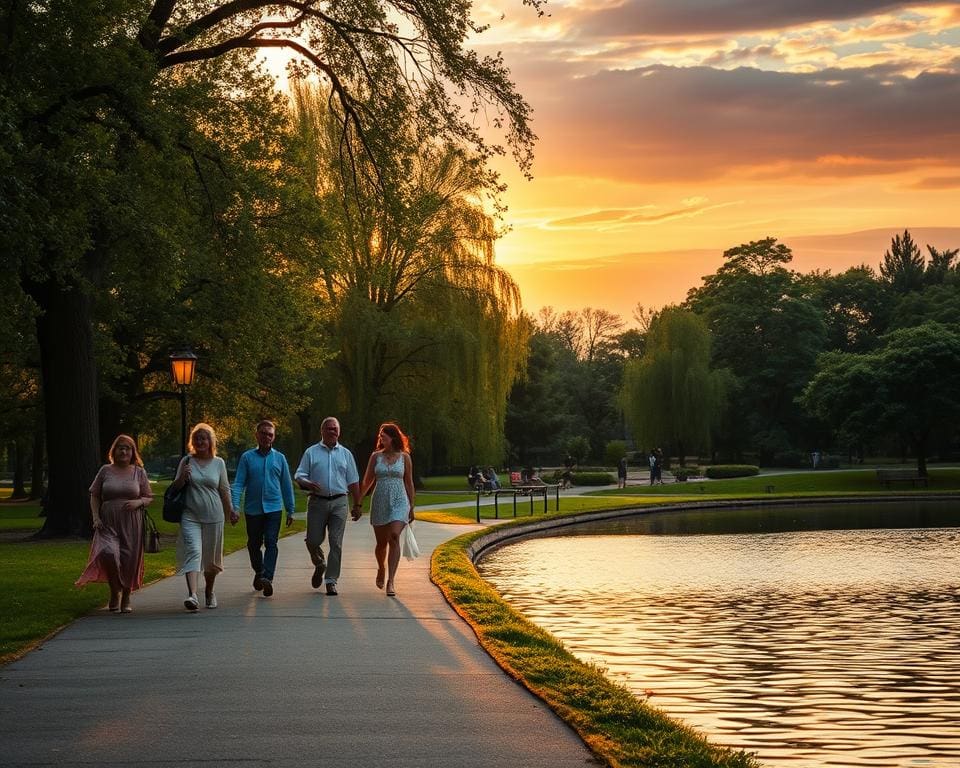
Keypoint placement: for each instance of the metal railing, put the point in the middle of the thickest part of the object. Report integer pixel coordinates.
(529, 490)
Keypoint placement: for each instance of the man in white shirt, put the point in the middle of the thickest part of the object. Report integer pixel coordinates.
(329, 472)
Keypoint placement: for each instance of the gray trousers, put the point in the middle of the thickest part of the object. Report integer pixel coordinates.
(327, 519)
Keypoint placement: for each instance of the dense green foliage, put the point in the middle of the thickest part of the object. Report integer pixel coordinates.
(727, 376)
(907, 387)
(154, 195)
(670, 395)
(721, 471)
(426, 327)
(566, 403)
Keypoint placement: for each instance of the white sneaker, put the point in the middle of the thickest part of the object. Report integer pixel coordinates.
(191, 603)
(212, 600)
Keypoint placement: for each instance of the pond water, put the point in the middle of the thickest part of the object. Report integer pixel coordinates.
(825, 636)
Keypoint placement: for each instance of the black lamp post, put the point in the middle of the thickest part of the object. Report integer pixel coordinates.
(182, 366)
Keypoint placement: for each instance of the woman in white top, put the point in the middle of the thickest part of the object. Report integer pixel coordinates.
(200, 541)
(390, 469)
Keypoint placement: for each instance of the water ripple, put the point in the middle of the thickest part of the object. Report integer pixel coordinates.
(811, 648)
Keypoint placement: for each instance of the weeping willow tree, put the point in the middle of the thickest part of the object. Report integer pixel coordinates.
(428, 328)
(670, 396)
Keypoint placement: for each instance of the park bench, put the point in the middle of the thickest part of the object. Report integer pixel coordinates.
(524, 487)
(912, 476)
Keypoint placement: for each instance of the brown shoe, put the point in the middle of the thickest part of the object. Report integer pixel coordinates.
(331, 589)
(267, 587)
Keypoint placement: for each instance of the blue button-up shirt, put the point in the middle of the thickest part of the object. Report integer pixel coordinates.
(334, 469)
(264, 482)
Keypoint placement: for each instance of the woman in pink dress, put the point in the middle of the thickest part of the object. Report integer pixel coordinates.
(118, 495)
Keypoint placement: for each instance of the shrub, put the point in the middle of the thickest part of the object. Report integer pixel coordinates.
(615, 450)
(683, 473)
(720, 471)
(593, 478)
(579, 448)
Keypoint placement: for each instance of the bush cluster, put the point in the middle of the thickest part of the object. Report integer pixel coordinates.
(585, 478)
(683, 473)
(720, 471)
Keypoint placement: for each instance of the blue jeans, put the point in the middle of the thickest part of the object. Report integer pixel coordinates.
(263, 531)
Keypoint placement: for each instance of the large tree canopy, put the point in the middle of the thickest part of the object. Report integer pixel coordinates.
(670, 396)
(907, 387)
(768, 333)
(427, 326)
(92, 119)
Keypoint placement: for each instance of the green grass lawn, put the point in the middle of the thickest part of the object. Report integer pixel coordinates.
(38, 596)
(792, 484)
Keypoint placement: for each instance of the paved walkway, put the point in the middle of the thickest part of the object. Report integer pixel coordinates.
(298, 679)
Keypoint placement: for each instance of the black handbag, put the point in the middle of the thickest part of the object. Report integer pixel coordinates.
(174, 501)
(151, 536)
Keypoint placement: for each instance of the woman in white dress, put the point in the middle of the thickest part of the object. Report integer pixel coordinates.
(200, 540)
(390, 473)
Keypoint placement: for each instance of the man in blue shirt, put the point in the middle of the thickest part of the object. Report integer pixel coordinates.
(263, 479)
(329, 472)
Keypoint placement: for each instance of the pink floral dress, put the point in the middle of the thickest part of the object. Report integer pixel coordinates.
(120, 536)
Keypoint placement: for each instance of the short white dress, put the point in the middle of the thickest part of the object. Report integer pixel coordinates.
(389, 500)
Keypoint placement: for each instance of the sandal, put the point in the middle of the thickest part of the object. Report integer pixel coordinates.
(381, 575)
(391, 592)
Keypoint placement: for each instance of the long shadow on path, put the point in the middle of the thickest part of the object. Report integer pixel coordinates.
(296, 679)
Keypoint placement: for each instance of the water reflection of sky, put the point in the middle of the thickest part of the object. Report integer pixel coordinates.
(810, 647)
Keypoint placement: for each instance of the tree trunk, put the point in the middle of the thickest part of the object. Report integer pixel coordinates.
(69, 376)
(36, 469)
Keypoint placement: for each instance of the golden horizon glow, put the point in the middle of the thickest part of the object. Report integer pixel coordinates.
(672, 130)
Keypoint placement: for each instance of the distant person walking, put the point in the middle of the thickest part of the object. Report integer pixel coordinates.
(329, 472)
(566, 479)
(622, 472)
(390, 473)
(118, 495)
(208, 503)
(263, 482)
(652, 461)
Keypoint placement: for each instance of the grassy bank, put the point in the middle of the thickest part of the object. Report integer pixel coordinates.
(617, 726)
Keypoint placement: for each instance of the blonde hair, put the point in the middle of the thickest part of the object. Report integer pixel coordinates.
(203, 427)
(134, 459)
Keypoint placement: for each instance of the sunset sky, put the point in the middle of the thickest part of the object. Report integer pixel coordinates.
(671, 130)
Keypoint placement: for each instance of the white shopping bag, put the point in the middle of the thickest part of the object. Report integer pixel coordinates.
(408, 543)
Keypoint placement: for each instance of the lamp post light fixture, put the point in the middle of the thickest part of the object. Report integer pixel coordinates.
(183, 364)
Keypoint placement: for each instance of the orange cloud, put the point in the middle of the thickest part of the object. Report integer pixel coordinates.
(661, 123)
(627, 217)
(937, 182)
